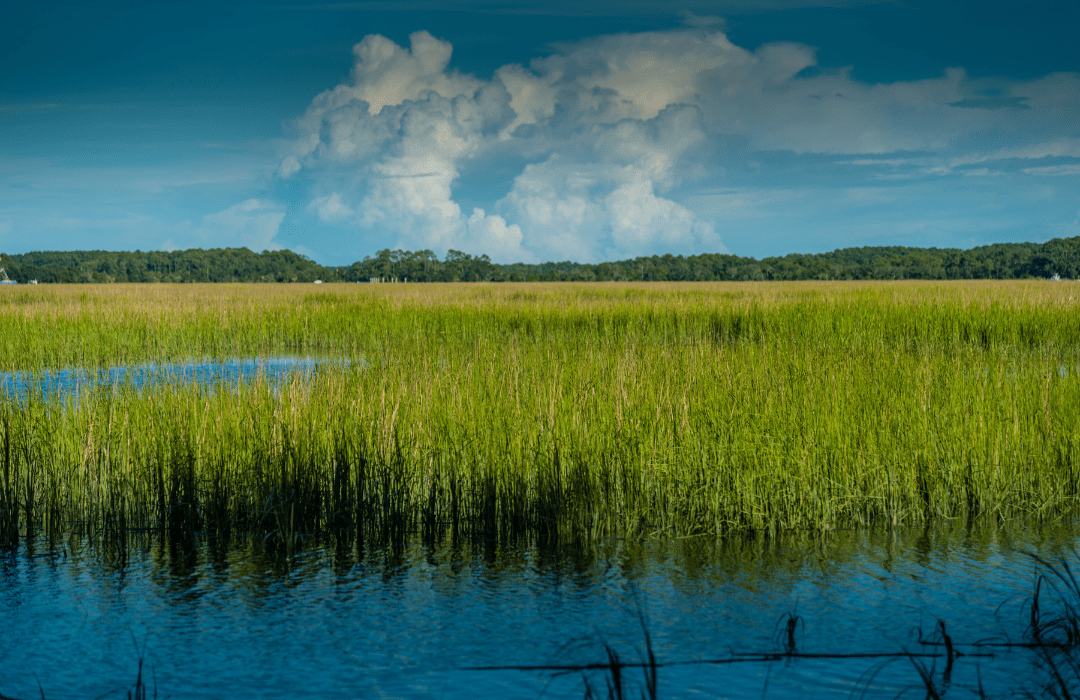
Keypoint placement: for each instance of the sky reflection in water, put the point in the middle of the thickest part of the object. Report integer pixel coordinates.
(52, 384)
(404, 622)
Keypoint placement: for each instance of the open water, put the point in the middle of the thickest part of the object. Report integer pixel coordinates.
(216, 620)
(52, 384)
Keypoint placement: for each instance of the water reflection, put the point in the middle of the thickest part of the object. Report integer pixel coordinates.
(51, 384)
(235, 616)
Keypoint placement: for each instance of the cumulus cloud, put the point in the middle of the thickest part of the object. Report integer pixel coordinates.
(611, 135)
(558, 200)
(331, 209)
(386, 74)
(492, 235)
(252, 223)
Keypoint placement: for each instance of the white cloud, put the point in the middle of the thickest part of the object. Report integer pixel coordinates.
(400, 134)
(593, 211)
(878, 161)
(635, 75)
(492, 235)
(1065, 147)
(640, 219)
(1070, 169)
(554, 198)
(609, 133)
(252, 223)
(303, 250)
(331, 209)
(532, 97)
(386, 74)
(289, 166)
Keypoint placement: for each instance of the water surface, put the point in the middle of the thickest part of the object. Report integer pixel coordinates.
(213, 620)
(52, 384)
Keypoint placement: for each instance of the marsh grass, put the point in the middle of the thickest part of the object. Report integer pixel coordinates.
(546, 412)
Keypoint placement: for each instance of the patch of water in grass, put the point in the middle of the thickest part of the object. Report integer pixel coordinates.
(52, 384)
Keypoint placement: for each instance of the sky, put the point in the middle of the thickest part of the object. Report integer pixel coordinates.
(527, 130)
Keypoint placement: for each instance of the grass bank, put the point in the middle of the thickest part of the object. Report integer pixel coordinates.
(549, 411)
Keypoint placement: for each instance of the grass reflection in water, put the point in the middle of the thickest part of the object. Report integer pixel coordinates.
(1040, 660)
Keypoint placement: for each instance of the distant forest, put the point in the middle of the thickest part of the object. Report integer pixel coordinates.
(1060, 256)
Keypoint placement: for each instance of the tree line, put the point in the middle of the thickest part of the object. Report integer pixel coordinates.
(1060, 256)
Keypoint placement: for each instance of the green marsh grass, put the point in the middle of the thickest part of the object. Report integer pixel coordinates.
(547, 411)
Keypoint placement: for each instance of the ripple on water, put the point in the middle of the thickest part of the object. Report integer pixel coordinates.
(408, 622)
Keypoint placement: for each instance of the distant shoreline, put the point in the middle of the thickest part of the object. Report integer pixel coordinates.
(1057, 258)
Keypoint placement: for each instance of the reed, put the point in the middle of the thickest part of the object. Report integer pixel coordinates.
(547, 411)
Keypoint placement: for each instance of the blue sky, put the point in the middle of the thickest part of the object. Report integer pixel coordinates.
(537, 131)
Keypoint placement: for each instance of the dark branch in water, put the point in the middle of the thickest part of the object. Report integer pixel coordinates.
(1053, 636)
(734, 659)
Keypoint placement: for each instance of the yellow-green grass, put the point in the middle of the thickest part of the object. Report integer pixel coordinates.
(549, 410)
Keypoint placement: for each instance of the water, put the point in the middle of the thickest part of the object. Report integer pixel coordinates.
(212, 621)
(54, 384)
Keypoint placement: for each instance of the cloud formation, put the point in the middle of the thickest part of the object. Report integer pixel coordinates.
(614, 138)
(253, 224)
